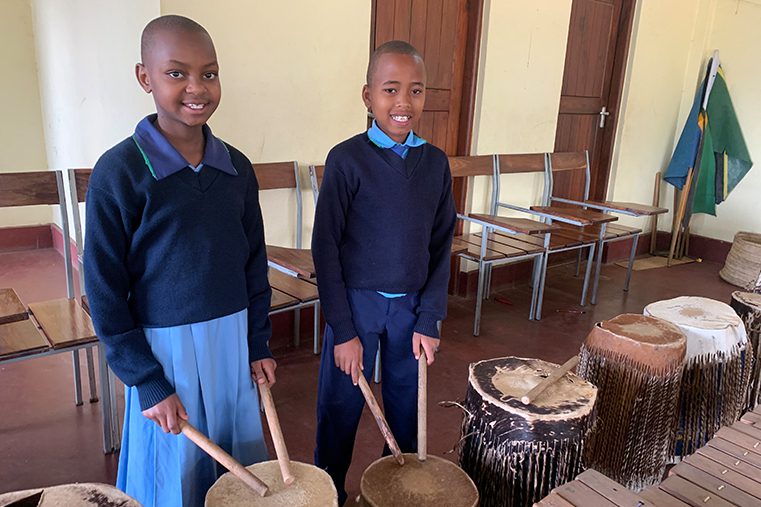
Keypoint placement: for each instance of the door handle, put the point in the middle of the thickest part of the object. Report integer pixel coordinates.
(603, 113)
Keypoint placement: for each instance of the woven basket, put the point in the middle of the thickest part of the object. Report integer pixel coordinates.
(743, 265)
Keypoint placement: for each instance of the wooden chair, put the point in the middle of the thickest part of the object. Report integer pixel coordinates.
(65, 325)
(538, 163)
(579, 162)
(294, 262)
(502, 240)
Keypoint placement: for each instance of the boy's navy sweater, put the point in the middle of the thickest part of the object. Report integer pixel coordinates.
(183, 249)
(383, 223)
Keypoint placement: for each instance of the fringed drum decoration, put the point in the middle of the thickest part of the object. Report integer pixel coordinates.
(717, 367)
(748, 308)
(70, 495)
(517, 453)
(636, 363)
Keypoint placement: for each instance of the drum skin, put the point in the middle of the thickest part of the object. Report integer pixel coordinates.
(70, 495)
(515, 453)
(435, 482)
(312, 487)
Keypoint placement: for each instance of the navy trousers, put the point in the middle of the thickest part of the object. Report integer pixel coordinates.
(382, 322)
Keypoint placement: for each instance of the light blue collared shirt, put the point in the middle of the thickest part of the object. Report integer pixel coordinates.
(382, 140)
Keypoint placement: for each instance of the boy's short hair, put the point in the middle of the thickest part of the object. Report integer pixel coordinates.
(169, 22)
(396, 47)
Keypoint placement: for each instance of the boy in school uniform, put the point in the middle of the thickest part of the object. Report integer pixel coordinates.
(176, 270)
(382, 236)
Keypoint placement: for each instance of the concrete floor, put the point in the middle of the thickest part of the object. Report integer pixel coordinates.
(46, 440)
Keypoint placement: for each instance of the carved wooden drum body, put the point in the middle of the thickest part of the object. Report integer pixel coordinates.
(636, 363)
(717, 367)
(517, 453)
(312, 487)
(747, 305)
(435, 482)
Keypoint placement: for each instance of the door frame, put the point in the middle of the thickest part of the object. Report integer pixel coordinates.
(599, 186)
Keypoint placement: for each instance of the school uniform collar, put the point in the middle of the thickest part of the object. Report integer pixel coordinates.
(382, 140)
(163, 159)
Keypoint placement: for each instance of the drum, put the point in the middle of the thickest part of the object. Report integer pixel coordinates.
(716, 373)
(312, 487)
(748, 308)
(517, 453)
(70, 495)
(435, 482)
(636, 363)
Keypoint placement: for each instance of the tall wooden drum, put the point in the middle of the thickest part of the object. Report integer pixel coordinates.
(717, 367)
(517, 453)
(636, 363)
(70, 495)
(312, 487)
(435, 482)
(748, 308)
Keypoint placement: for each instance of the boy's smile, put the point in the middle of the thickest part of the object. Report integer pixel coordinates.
(396, 94)
(181, 72)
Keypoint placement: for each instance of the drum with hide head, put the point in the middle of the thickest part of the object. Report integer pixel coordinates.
(70, 495)
(748, 308)
(312, 487)
(636, 363)
(717, 370)
(517, 453)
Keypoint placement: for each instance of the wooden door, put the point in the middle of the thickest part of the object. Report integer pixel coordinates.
(447, 33)
(595, 61)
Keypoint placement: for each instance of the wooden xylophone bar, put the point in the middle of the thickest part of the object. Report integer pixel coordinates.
(726, 472)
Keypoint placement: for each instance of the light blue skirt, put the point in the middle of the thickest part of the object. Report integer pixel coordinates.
(207, 363)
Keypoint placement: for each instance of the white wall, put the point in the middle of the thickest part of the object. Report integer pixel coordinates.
(21, 130)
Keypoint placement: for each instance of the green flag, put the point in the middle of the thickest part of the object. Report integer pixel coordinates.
(724, 158)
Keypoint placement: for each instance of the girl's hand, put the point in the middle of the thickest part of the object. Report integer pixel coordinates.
(167, 414)
(430, 345)
(263, 371)
(348, 357)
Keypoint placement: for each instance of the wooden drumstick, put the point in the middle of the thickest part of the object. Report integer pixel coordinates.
(380, 419)
(559, 372)
(422, 407)
(223, 458)
(276, 433)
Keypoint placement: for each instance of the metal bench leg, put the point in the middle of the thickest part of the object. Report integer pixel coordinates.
(105, 406)
(377, 367)
(296, 327)
(487, 288)
(631, 262)
(542, 277)
(479, 298)
(91, 375)
(600, 245)
(590, 258)
(316, 331)
(77, 378)
(578, 261)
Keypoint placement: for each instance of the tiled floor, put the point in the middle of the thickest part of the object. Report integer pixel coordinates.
(46, 440)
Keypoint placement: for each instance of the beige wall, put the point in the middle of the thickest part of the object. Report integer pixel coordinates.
(21, 131)
(292, 72)
(522, 55)
(735, 33)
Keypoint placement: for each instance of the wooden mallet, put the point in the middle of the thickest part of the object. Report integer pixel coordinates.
(380, 419)
(223, 458)
(276, 433)
(422, 407)
(558, 373)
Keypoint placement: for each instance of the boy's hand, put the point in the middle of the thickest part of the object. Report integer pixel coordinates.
(348, 357)
(167, 414)
(263, 371)
(430, 345)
